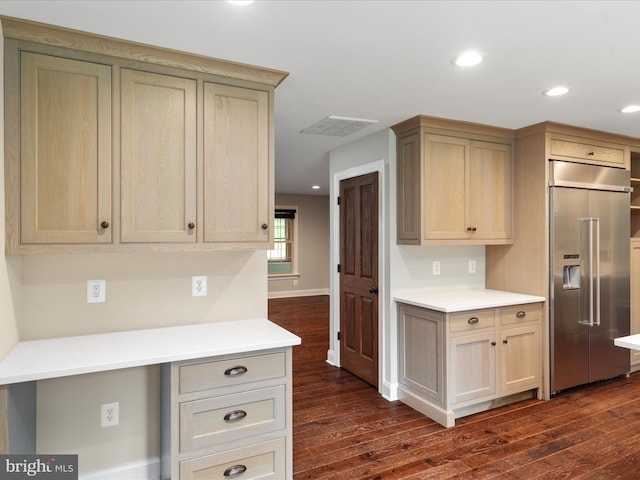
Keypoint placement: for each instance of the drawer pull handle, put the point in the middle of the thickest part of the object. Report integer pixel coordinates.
(521, 314)
(473, 320)
(235, 416)
(591, 154)
(235, 470)
(235, 371)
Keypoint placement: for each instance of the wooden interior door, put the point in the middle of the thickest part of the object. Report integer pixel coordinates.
(359, 276)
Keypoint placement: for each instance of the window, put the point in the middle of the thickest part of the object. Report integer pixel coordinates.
(282, 258)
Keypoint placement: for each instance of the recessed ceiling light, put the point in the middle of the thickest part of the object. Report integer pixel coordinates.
(316, 187)
(467, 59)
(631, 109)
(556, 91)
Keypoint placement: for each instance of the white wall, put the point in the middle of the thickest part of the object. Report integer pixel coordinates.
(403, 266)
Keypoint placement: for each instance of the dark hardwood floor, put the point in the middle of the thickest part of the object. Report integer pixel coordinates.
(343, 429)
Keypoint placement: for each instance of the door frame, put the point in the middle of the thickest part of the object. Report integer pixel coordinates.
(333, 355)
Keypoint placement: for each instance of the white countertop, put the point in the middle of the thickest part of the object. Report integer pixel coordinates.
(59, 357)
(462, 300)
(631, 341)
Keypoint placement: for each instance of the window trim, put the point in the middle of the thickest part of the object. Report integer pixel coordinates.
(294, 274)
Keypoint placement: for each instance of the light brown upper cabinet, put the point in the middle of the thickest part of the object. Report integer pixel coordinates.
(454, 182)
(65, 151)
(158, 177)
(236, 144)
(114, 146)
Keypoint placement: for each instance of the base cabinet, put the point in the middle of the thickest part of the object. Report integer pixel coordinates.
(228, 417)
(635, 298)
(452, 365)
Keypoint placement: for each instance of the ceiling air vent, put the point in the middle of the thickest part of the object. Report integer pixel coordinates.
(338, 126)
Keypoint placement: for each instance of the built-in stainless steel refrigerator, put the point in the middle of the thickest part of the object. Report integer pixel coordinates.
(589, 284)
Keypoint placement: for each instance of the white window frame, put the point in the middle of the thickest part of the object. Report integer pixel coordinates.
(294, 254)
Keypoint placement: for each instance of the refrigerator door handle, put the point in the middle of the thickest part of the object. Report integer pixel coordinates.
(590, 246)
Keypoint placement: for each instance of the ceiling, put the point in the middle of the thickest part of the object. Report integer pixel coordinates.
(391, 60)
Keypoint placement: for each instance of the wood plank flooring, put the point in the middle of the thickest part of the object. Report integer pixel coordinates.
(343, 429)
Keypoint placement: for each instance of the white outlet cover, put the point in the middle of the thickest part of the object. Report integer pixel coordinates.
(436, 267)
(110, 414)
(199, 286)
(96, 291)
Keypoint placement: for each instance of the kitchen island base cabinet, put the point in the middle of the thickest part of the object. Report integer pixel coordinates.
(228, 417)
(455, 364)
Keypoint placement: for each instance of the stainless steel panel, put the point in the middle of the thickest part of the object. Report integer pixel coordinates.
(607, 360)
(593, 177)
(569, 339)
(588, 239)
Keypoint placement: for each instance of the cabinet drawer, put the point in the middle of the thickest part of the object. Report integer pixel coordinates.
(219, 420)
(262, 461)
(520, 314)
(223, 373)
(586, 151)
(473, 320)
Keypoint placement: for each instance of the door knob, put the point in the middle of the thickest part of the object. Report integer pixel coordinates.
(373, 290)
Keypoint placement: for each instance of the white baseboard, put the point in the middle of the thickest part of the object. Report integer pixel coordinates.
(299, 293)
(331, 358)
(143, 470)
(390, 391)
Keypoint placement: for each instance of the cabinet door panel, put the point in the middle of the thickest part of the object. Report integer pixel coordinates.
(65, 124)
(409, 213)
(490, 190)
(236, 165)
(635, 296)
(422, 366)
(520, 359)
(446, 175)
(158, 157)
(473, 367)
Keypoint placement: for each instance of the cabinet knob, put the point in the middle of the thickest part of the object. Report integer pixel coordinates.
(235, 416)
(235, 371)
(104, 225)
(473, 320)
(191, 225)
(235, 470)
(505, 341)
(521, 314)
(265, 226)
(471, 229)
(493, 344)
(591, 154)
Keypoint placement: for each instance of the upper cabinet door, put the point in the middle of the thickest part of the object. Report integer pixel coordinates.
(65, 150)
(238, 170)
(446, 179)
(490, 190)
(158, 158)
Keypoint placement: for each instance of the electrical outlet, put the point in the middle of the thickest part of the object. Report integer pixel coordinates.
(436, 267)
(199, 286)
(110, 414)
(472, 266)
(96, 291)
